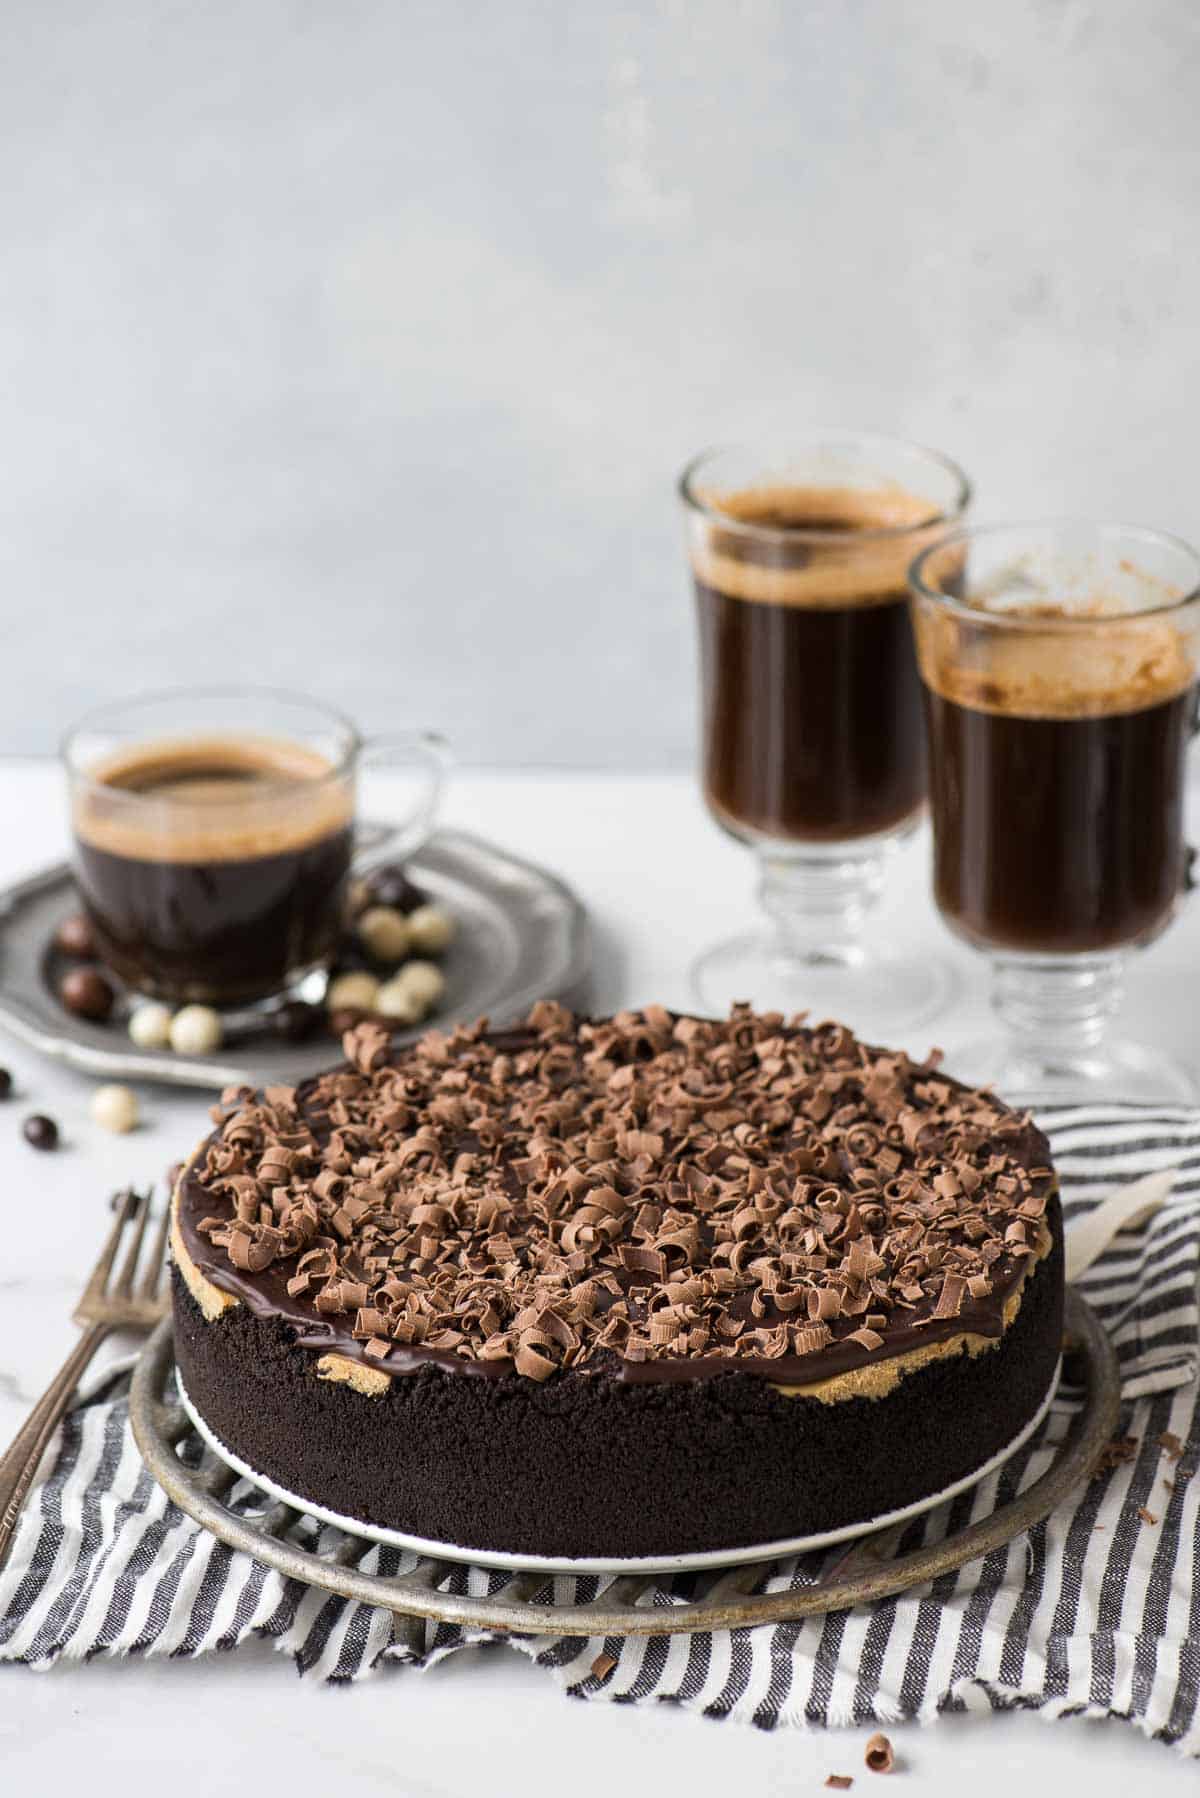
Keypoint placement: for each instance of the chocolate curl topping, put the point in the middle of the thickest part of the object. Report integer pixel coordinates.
(878, 1755)
(640, 1187)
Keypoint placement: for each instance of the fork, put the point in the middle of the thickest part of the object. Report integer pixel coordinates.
(106, 1305)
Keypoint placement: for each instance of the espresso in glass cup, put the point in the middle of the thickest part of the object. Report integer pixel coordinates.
(1060, 669)
(813, 733)
(214, 835)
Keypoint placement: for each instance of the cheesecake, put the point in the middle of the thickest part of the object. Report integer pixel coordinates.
(632, 1287)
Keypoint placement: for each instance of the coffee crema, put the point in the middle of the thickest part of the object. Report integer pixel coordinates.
(213, 868)
(813, 727)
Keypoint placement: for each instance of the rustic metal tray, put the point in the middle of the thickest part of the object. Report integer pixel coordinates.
(522, 935)
(201, 1483)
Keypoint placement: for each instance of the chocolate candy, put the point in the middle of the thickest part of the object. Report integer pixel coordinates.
(196, 1030)
(150, 1025)
(87, 993)
(397, 1003)
(383, 933)
(390, 886)
(40, 1132)
(115, 1108)
(295, 1022)
(75, 936)
(431, 929)
(345, 1019)
(412, 992)
(352, 992)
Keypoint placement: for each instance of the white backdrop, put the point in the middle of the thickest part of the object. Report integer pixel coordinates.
(356, 345)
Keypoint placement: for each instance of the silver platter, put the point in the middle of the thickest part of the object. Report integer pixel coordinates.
(522, 935)
(209, 1489)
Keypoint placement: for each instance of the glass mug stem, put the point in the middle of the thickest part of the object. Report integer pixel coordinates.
(1058, 1007)
(819, 903)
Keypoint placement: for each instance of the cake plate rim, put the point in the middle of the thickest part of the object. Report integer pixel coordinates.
(861, 1575)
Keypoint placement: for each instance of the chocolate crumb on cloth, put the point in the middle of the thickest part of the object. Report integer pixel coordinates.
(678, 1194)
(879, 1755)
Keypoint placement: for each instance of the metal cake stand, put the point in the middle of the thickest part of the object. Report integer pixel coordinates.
(200, 1482)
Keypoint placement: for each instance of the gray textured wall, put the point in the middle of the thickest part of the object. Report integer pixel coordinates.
(355, 346)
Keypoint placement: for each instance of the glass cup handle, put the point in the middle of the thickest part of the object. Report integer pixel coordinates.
(1191, 856)
(375, 842)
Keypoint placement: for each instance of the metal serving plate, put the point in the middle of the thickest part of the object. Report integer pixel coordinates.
(522, 935)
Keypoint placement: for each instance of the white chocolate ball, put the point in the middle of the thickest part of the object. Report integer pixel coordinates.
(196, 1030)
(430, 929)
(384, 933)
(395, 1001)
(424, 980)
(352, 992)
(115, 1108)
(150, 1025)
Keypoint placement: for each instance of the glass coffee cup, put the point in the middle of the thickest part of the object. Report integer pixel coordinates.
(214, 837)
(1060, 665)
(812, 724)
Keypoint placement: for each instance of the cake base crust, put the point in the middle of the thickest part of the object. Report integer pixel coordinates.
(589, 1467)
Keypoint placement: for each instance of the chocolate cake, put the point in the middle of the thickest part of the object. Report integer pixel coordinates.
(641, 1286)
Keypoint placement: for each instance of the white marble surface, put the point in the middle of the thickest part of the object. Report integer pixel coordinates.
(400, 319)
(660, 882)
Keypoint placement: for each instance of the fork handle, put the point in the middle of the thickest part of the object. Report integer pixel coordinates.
(20, 1462)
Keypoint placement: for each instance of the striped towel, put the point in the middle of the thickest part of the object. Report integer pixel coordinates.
(1097, 1610)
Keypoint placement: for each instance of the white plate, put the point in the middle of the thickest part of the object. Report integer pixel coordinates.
(693, 1563)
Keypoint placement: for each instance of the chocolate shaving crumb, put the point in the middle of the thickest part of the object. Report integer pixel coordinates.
(841, 1782)
(1145, 1515)
(878, 1755)
(603, 1665)
(1117, 1453)
(1170, 1444)
(642, 1186)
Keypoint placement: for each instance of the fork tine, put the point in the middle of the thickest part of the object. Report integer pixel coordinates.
(158, 1251)
(124, 1286)
(98, 1283)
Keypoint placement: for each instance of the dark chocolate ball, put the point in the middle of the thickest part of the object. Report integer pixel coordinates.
(5, 1083)
(40, 1132)
(341, 1021)
(76, 937)
(295, 1022)
(391, 886)
(87, 993)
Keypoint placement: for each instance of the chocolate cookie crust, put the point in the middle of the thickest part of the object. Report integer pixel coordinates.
(583, 1466)
(649, 1197)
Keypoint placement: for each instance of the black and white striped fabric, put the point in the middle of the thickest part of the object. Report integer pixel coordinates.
(1097, 1610)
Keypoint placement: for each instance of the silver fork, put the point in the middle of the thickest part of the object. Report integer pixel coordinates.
(103, 1308)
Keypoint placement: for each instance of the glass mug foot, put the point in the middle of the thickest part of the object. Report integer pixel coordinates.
(882, 997)
(1118, 1071)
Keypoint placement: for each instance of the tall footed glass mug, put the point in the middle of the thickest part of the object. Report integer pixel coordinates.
(812, 726)
(1060, 670)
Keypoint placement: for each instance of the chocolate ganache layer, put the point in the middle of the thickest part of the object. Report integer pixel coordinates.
(649, 1197)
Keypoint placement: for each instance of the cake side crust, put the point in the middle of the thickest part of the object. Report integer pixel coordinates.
(591, 1466)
